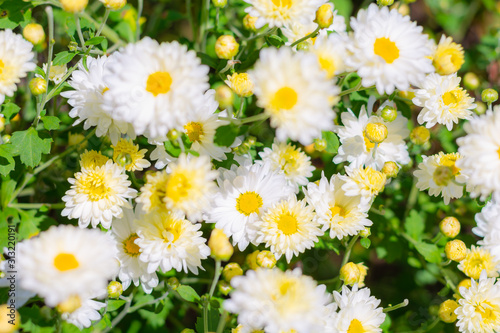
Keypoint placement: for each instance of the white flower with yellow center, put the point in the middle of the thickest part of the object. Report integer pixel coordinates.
(331, 52)
(364, 182)
(443, 101)
(279, 13)
(16, 60)
(168, 241)
(488, 227)
(276, 301)
(358, 311)
(479, 307)
(343, 215)
(289, 228)
(127, 154)
(244, 194)
(132, 269)
(477, 260)
(65, 261)
(441, 175)
(370, 140)
(295, 93)
(388, 50)
(164, 81)
(87, 100)
(290, 160)
(97, 195)
(85, 314)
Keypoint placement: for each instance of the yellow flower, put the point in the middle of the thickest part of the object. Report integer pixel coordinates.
(241, 84)
(448, 57)
(476, 260)
(92, 159)
(128, 155)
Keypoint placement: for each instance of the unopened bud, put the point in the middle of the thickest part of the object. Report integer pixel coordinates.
(266, 259)
(465, 283)
(173, 134)
(390, 169)
(471, 81)
(2, 122)
(115, 289)
(489, 95)
(123, 159)
(38, 86)
(71, 304)
(363, 271)
(231, 270)
(6, 138)
(376, 132)
(455, 250)
(420, 135)
(251, 260)
(389, 113)
(324, 16)
(74, 6)
(241, 84)
(447, 311)
(249, 22)
(350, 274)
(320, 144)
(114, 4)
(9, 319)
(385, 2)
(226, 47)
(219, 3)
(304, 46)
(224, 95)
(221, 248)
(480, 107)
(450, 227)
(366, 232)
(77, 138)
(34, 33)
(173, 283)
(224, 288)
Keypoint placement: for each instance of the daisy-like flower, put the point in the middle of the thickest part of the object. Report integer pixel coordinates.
(289, 228)
(279, 13)
(331, 50)
(443, 101)
(277, 301)
(65, 261)
(292, 161)
(97, 195)
(343, 215)
(165, 81)
(371, 141)
(477, 260)
(479, 307)
(448, 56)
(364, 182)
(87, 100)
(388, 50)
(127, 154)
(244, 194)
(358, 311)
(441, 175)
(168, 241)
(92, 159)
(16, 60)
(132, 269)
(296, 94)
(86, 313)
(488, 227)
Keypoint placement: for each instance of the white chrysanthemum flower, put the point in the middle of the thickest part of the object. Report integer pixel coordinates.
(97, 195)
(244, 194)
(357, 137)
(359, 312)
(278, 13)
(479, 307)
(364, 182)
(331, 51)
(127, 154)
(168, 241)
(296, 94)
(388, 50)
(488, 227)
(292, 161)
(56, 73)
(443, 101)
(65, 261)
(440, 174)
(16, 60)
(131, 268)
(343, 215)
(480, 149)
(85, 314)
(289, 228)
(87, 100)
(164, 81)
(277, 301)
(477, 260)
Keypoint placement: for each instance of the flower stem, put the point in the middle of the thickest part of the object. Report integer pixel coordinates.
(312, 34)
(80, 33)
(137, 23)
(216, 279)
(397, 306)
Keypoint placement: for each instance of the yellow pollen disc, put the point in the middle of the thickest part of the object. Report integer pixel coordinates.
(178, 186)
(355, 327)
(449, 161)
(337, 210)
(159, 83)
(2, 66)
(289, 160)
(172, 231)
(94, 186)
(284, 99)
(65, 262)
(248, 203)
(328, 65)
(451, 97)
(104, 90)
(131, 248)
(386, 49)
(487, 311)
(283, 3)
(287, 223)
(194, 131)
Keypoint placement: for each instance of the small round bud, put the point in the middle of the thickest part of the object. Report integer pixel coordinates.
(450, 227)
(420, 135)
(471, 81)
(489, 95)
(38, 86)
(34, 33)
(231, 270)
(455, 250)
(219, 3)
(221, 248)
(226, 47)
(251, 141)
(224, 95)
(73, 46)
(480, 107)
(115, 289)
(251, 260)
(324, 16)
(447, 311)
(69, 305)
(319, 144)
(350, 274)
(173, 134)
(442, 175)
(249, 22)
(241, 84)
(376, 132)
(385, 2)
(123, 159)
(390, 169)
(173, 283)
(9, 319)
(74, 6)
(304, 46)
(366, 232)
(466, 283)
(114, 4)
(224, 288)
(389, 113)
(363, 271)
(6, 138)
(266, 259)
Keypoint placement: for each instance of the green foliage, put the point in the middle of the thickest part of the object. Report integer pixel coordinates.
(30, 146)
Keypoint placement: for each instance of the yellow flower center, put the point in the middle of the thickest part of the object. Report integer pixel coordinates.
(172, 231)
(287, 223)
(126, 154)
(194, 131)
(337, 210)
(386, 49)
(289, 160)
(130, 247)
(248, 203)
(284, 99)
(287, 286)
(2, 66)
(488, 311)
(355, 327)
(65, 262)
(450, 97)
(94, 185)
(178, 186)
(328, 65)
(449, 161)
(92, 159)
(159, 83)
(104, 90)
(283, 3)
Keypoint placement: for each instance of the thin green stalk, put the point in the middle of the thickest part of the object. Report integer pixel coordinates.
(356, 88)
(265, 33)
(217, 19)
(205, 11)
(397, 306)
(37, 205)
(103, 23)
(242, 105)
(205, 318)
(189, 14)
(222, 322)
(412, 198)
(106, 30)
(80, 33)
(216, 278)
(312, 34)
(137, 24)
(348, 250)
(260, 116)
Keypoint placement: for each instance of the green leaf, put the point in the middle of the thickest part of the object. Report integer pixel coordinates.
(365, 242)
(7, 163)
(50, 123)
(332, 142)
(274, 40)
(63, 58)
(13, 13)
(95, 40)
(115, 304)
(29, 146)
(9, 110)
(414, 262)
(188, 293)
(225, 135)
(430, 252)
(207, 60)
(29, 223)
(414, 225)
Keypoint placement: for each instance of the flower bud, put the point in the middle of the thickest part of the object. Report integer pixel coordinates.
(74, 6)
(489, 95)
(390, 169)
(249, 22)
(350, 274)
(6, 139)
(455, 250)
(251, 260)
(38, 86)
(224, 95)
(471, 81)
(450, 227)
(241, 84)
(231, 270)
(266, 259)
(420, 135)
(363, 271)
(389, 113)
(7, 323)
(226, 47)
(219, 3)
(114, 4)
(71, 304)
(173, 283)
(2, 122)
(224, 288)
(376, 132)
(447, 311)
(320, 144)
(366, 232)
(115, 289)
(385, 2)
(220, 246)
(173, 134)
(34, 33)
(324, 16)
(304, 46)
(480, 107)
